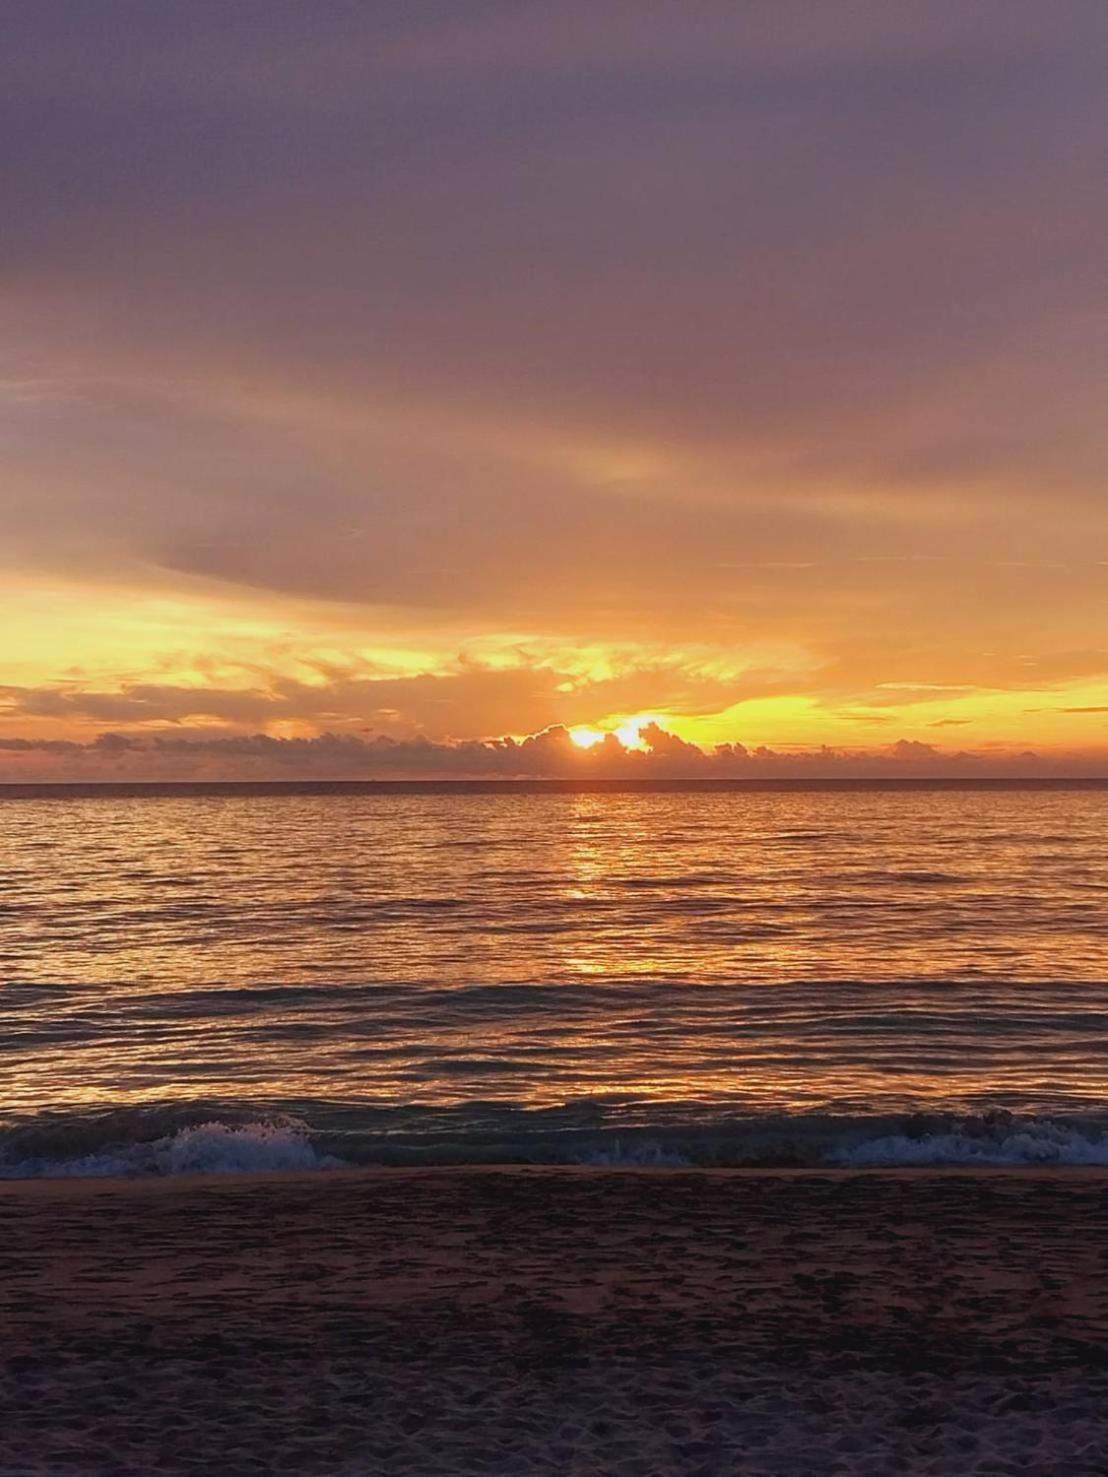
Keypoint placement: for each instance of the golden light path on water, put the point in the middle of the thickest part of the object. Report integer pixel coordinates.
(746, 952)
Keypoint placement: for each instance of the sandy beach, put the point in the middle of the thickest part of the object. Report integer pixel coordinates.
(551, 1321)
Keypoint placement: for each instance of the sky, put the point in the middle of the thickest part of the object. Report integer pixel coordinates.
(441, 387)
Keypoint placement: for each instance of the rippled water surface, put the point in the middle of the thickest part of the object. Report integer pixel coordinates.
(644, 956)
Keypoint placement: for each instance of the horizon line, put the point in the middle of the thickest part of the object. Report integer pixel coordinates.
(76, 789)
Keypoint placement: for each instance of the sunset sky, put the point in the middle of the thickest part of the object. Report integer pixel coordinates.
(448, 371)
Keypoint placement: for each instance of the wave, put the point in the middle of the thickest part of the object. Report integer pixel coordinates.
(197, 1138)
(264, 1146)
(1028, 1142)
(986, 1140)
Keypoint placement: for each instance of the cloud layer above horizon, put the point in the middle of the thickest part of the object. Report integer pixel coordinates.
(435, 373)
(551, 755)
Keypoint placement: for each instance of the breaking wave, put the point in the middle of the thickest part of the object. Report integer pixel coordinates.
(266, 1146)
(176, 1139)
(1009, 1141)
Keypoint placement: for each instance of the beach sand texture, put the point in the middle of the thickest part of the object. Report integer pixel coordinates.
(557, 1321)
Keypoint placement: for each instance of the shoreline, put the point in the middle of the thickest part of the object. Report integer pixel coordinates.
(66, 1185)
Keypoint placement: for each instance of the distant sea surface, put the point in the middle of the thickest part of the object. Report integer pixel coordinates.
(237, 978)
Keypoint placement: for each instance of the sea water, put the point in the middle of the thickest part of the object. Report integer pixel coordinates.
(302, 976)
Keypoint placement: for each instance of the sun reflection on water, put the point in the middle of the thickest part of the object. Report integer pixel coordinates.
(745, 950)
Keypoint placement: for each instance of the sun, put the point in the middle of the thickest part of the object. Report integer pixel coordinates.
(628, 732)
(586, 738)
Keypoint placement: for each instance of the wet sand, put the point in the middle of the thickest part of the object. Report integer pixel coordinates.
(574, 1322)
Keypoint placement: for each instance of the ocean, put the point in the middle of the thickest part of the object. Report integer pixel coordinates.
(308, 976)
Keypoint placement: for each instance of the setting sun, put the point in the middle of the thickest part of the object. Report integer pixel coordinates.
(586, 738)
(629, 731)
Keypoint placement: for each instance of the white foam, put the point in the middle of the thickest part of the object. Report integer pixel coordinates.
(1038, 1141)
(646, 1155)
(161, 1144)
(204, 1148)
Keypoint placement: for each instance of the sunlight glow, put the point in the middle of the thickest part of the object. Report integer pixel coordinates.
(586, 738)
(629, 731)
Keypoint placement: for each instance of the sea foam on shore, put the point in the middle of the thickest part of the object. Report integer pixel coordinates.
(191, 1138)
